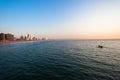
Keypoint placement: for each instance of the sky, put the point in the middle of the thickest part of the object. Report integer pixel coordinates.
(61, 19)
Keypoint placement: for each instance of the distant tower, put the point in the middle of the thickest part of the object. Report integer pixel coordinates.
(28, 35)
(25, 38)
(22, 38)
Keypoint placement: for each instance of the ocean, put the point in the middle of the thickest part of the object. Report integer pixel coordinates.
(60, 60)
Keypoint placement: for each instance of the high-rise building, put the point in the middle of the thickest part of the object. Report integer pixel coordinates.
(28, 37)
(21, 38)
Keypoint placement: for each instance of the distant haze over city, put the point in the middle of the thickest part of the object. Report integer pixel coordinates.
(61, 19)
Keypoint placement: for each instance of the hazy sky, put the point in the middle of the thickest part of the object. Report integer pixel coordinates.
(75, 19)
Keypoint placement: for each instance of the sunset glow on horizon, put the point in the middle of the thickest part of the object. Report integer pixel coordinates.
(61, 19)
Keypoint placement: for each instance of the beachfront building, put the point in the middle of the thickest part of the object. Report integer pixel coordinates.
(2, 36)
(9, 37)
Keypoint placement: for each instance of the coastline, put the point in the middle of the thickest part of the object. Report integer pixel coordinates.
(7, 41)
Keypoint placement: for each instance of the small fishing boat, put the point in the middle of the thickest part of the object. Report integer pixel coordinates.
(99, 46)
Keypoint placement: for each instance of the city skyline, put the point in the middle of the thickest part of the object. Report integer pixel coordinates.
(9, 37)
(61, 19)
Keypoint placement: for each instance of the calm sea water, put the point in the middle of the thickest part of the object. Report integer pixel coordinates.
(60, 60)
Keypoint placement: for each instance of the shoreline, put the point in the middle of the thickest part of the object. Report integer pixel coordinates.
(6, 41)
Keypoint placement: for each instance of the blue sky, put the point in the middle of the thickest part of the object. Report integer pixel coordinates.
(61, 18)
